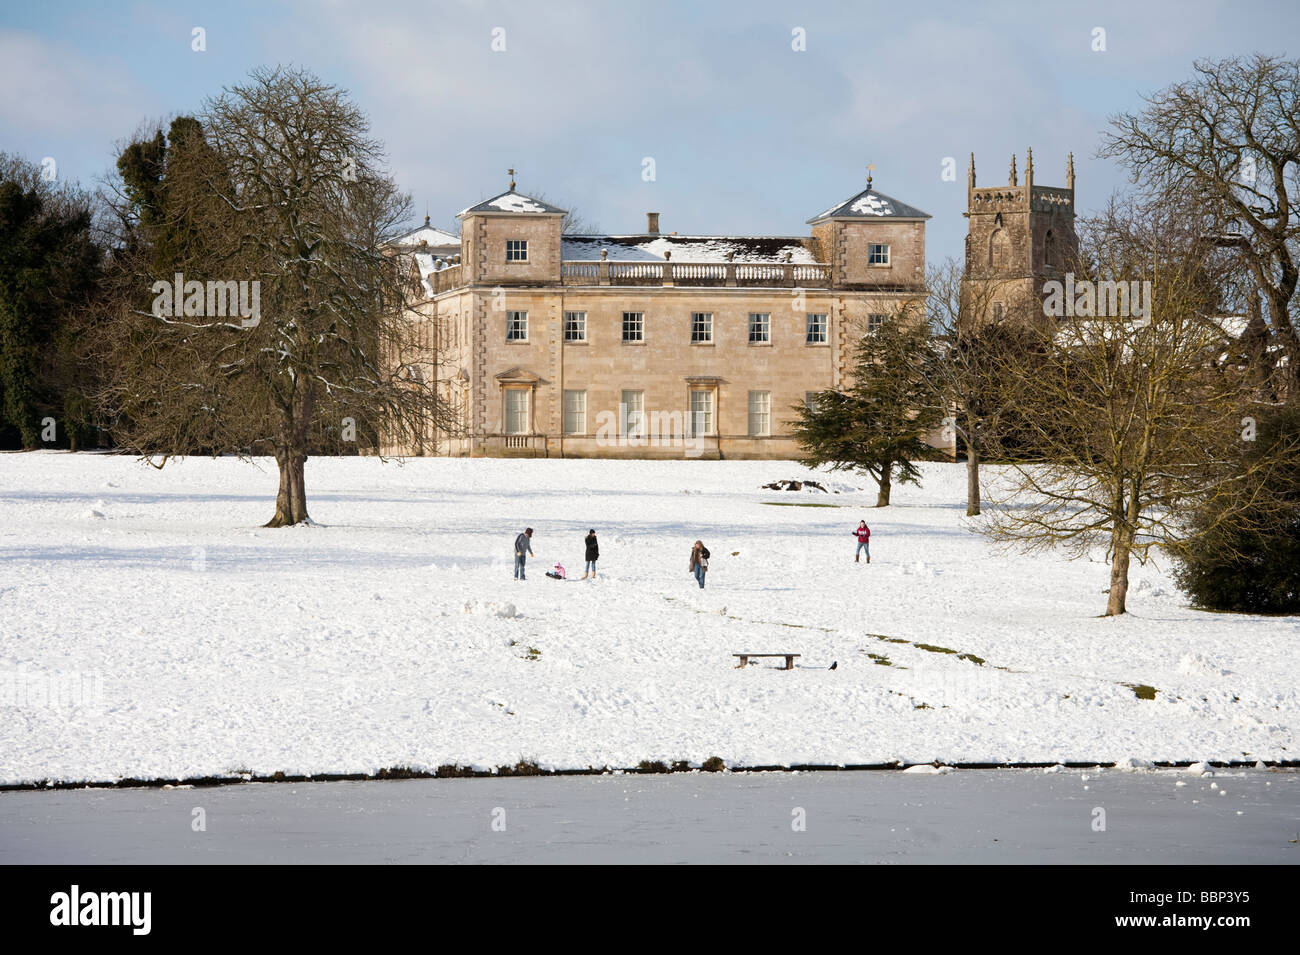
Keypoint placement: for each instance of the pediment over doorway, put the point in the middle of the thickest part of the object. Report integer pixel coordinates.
(517, 376)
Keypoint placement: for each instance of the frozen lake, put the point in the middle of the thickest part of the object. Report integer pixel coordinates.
(1000, 816)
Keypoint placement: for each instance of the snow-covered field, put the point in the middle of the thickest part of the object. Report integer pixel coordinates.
(150, 628)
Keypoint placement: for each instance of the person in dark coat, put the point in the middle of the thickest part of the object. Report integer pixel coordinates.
(699, 562)
(593, 554)
(523, 550)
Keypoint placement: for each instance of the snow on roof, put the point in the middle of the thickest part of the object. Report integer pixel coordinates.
(871, 204)
(1090, 331)
(687, 248)
(430, 235)
(511, 201)
(1234, 326)
(425, 263)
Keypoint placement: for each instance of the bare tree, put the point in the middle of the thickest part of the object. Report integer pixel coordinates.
(277, 197)
(1229, 138)
(965, 370)
(1135, 418)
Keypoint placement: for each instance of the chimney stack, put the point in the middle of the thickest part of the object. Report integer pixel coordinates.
(652, 223)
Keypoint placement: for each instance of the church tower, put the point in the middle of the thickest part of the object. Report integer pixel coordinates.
(1019, 236)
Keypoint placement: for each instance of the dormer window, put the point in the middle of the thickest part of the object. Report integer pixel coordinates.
(516, 250)
(877, 254)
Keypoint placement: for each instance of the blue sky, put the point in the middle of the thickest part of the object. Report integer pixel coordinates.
(747, 134)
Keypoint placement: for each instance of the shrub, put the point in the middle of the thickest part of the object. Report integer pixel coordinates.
(1253, 569)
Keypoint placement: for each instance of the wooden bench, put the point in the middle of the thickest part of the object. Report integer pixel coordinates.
(745, 658)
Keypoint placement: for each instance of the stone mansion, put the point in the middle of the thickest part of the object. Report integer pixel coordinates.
(651, 344)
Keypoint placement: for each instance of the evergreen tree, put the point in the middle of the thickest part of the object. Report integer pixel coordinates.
(1254, 568)
(48, 267)
(879, 424)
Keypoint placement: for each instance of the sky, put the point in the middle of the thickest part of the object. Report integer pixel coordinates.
(745, 133)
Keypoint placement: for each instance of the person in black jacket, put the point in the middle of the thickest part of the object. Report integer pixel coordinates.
(523, 550)
(593, 554)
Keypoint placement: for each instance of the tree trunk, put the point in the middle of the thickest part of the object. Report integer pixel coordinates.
(1279, 307)
(972, 481)
(1121, 549)
(1125, 515)
(291, 499)
(882, 498)
(291, 459)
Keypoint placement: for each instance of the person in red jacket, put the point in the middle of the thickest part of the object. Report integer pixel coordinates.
(863, 534)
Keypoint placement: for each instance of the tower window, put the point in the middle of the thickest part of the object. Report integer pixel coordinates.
(1049, 248)
(516, 250)
(999, 249)
(877, 254)
(516, 326)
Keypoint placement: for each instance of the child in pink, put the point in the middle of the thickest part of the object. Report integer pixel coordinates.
(863, 534)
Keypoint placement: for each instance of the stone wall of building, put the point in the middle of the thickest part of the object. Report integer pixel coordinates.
(478, 364)
(486, 253)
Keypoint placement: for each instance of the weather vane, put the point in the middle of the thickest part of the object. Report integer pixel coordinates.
(871, 167)
(512, 179)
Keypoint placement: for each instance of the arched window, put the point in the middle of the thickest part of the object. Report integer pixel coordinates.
(1049, 249)
(999, 249)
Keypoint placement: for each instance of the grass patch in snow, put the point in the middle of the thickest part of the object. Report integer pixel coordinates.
(522, 768)
(1142, 691)
(881, 636)
(531, 653)
(931, 648)
(797, 504)
(882, 660)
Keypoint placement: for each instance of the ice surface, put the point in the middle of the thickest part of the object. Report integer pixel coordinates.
(1000, 816)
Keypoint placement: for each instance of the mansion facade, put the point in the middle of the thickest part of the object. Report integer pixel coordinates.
(649, 345)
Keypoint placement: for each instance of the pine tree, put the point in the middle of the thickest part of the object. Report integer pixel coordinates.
(879, 424)
(48, 266)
